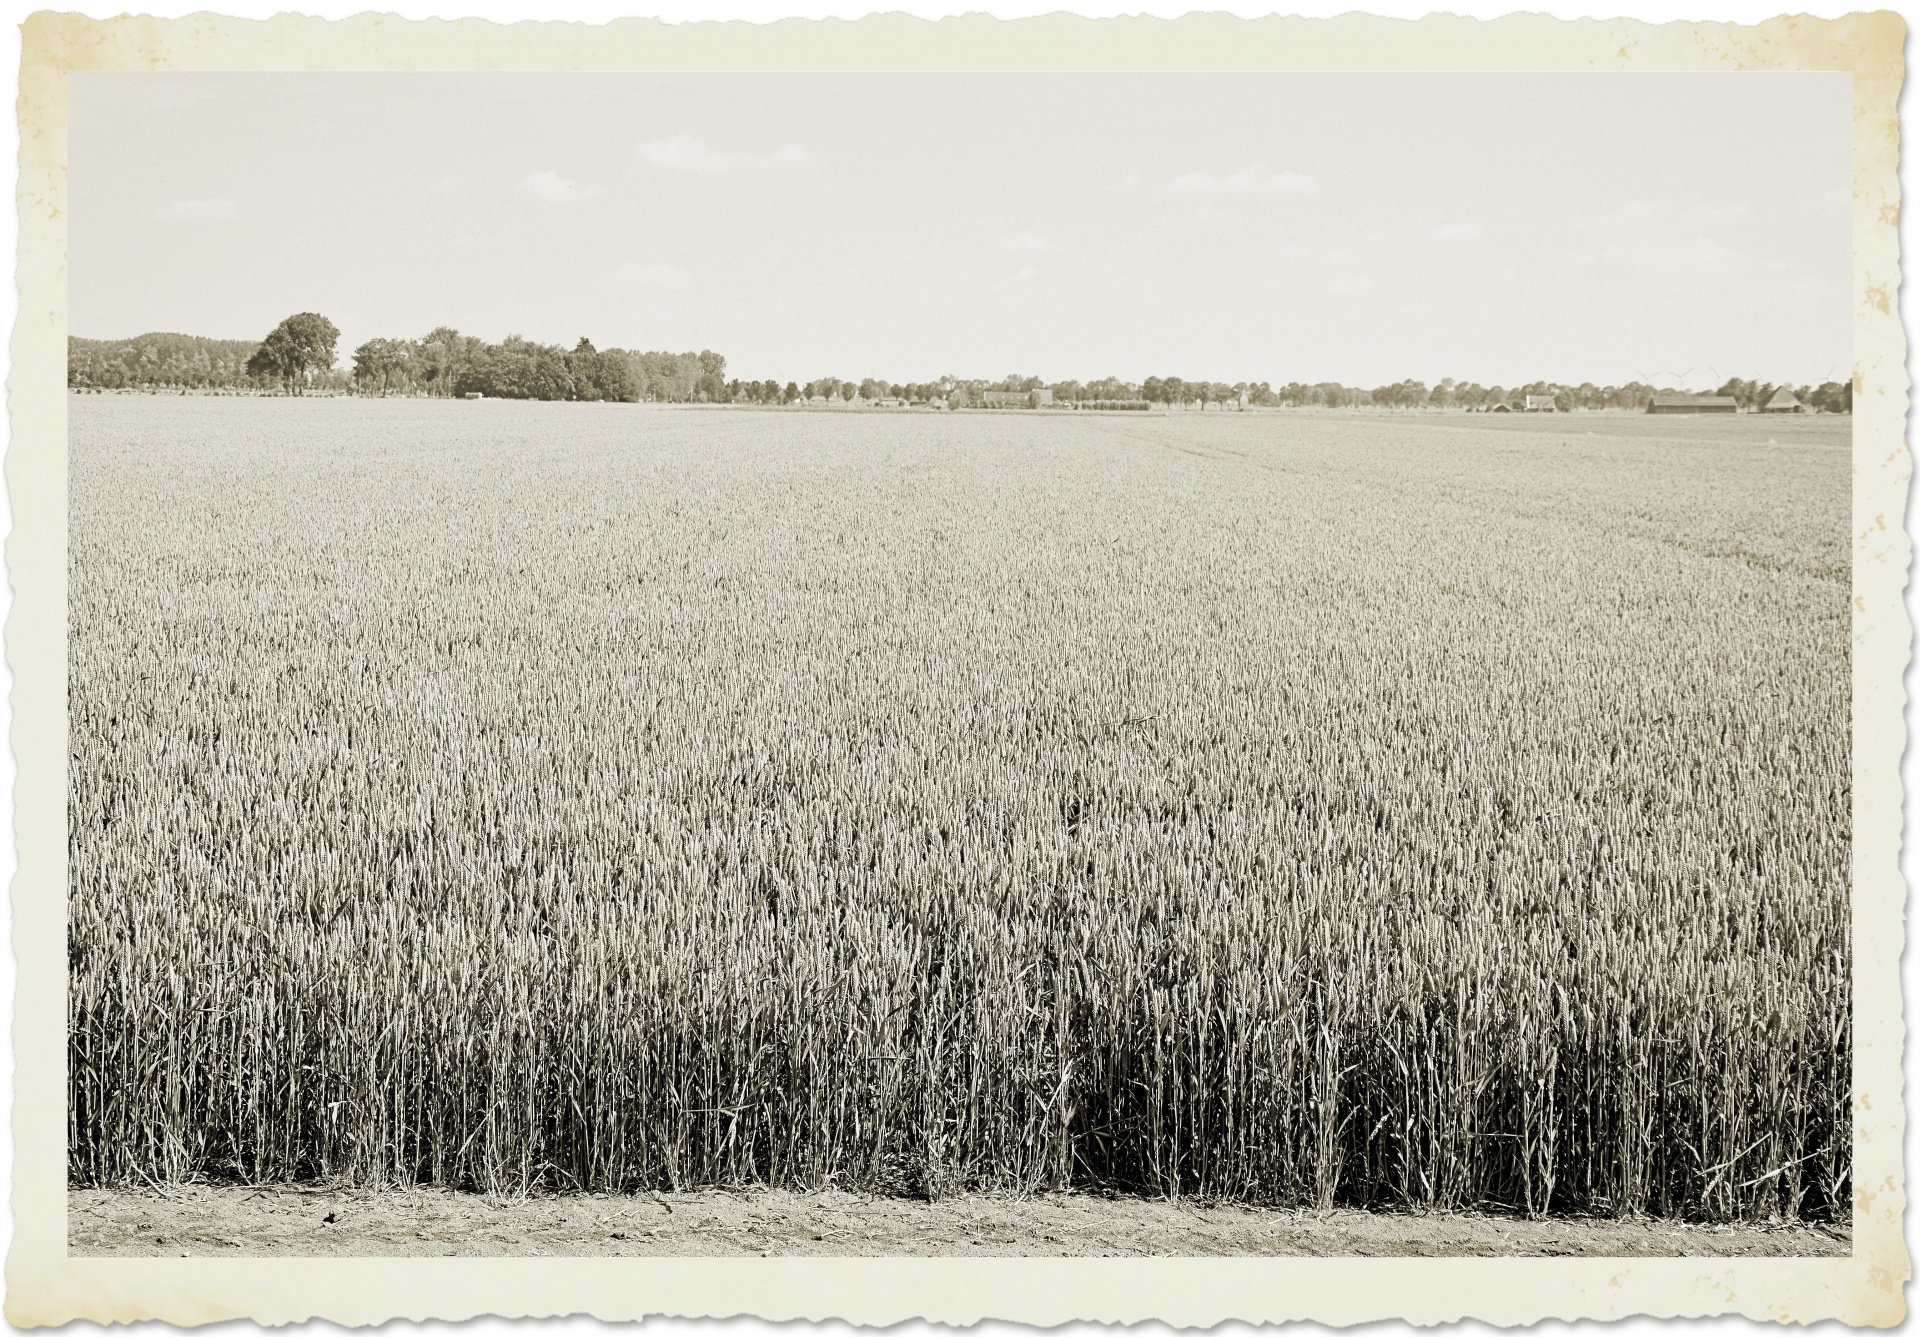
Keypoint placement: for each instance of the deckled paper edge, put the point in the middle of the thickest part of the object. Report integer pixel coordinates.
(44, 1286)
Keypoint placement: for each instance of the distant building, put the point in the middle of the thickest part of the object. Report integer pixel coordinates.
(1540, 404)
(1499, 406)
(1783, 401)
(1693, 404)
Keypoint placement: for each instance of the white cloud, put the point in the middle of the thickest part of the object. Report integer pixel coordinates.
(1247, 181)
(201, 209)
(652, 276)
(685, 153)
(554, 188)
(1459, 231)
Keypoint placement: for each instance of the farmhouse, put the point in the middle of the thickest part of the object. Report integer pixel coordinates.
(1540, 403)
(1783, 401)
(1693, 404)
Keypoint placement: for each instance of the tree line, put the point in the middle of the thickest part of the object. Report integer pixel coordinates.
(299, 354)
(446, 362)
(1831, 397)
(161, 361)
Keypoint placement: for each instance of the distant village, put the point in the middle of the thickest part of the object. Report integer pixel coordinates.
(300, 357)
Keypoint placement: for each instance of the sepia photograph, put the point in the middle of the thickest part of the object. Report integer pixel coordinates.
(966, 664)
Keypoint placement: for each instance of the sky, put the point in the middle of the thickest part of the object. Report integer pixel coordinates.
(1361, 228)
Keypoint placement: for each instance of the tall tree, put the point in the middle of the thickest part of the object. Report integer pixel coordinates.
(299, 346)
(712, 384)
(1833, 397)
(385, 364)
(614, 375)
(440, 357)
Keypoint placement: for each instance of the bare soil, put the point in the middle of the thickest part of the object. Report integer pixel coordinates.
(195, 1220)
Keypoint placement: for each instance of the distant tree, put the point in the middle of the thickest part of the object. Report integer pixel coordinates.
(671, 378)
(441, 355)
(154, 361)
(1750, 395)
(298, 346)
(1402, 395)
(583, 368)
(712, 381)
(381, 366)
(474, 372)
(1833, 397)
(614, 379)
(520, 369)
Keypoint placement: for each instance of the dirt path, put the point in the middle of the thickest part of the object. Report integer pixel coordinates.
(234, 1222)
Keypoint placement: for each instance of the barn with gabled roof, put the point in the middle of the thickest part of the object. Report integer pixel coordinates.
(1693, 404)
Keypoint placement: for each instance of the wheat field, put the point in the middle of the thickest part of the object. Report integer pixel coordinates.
(1291, 809)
